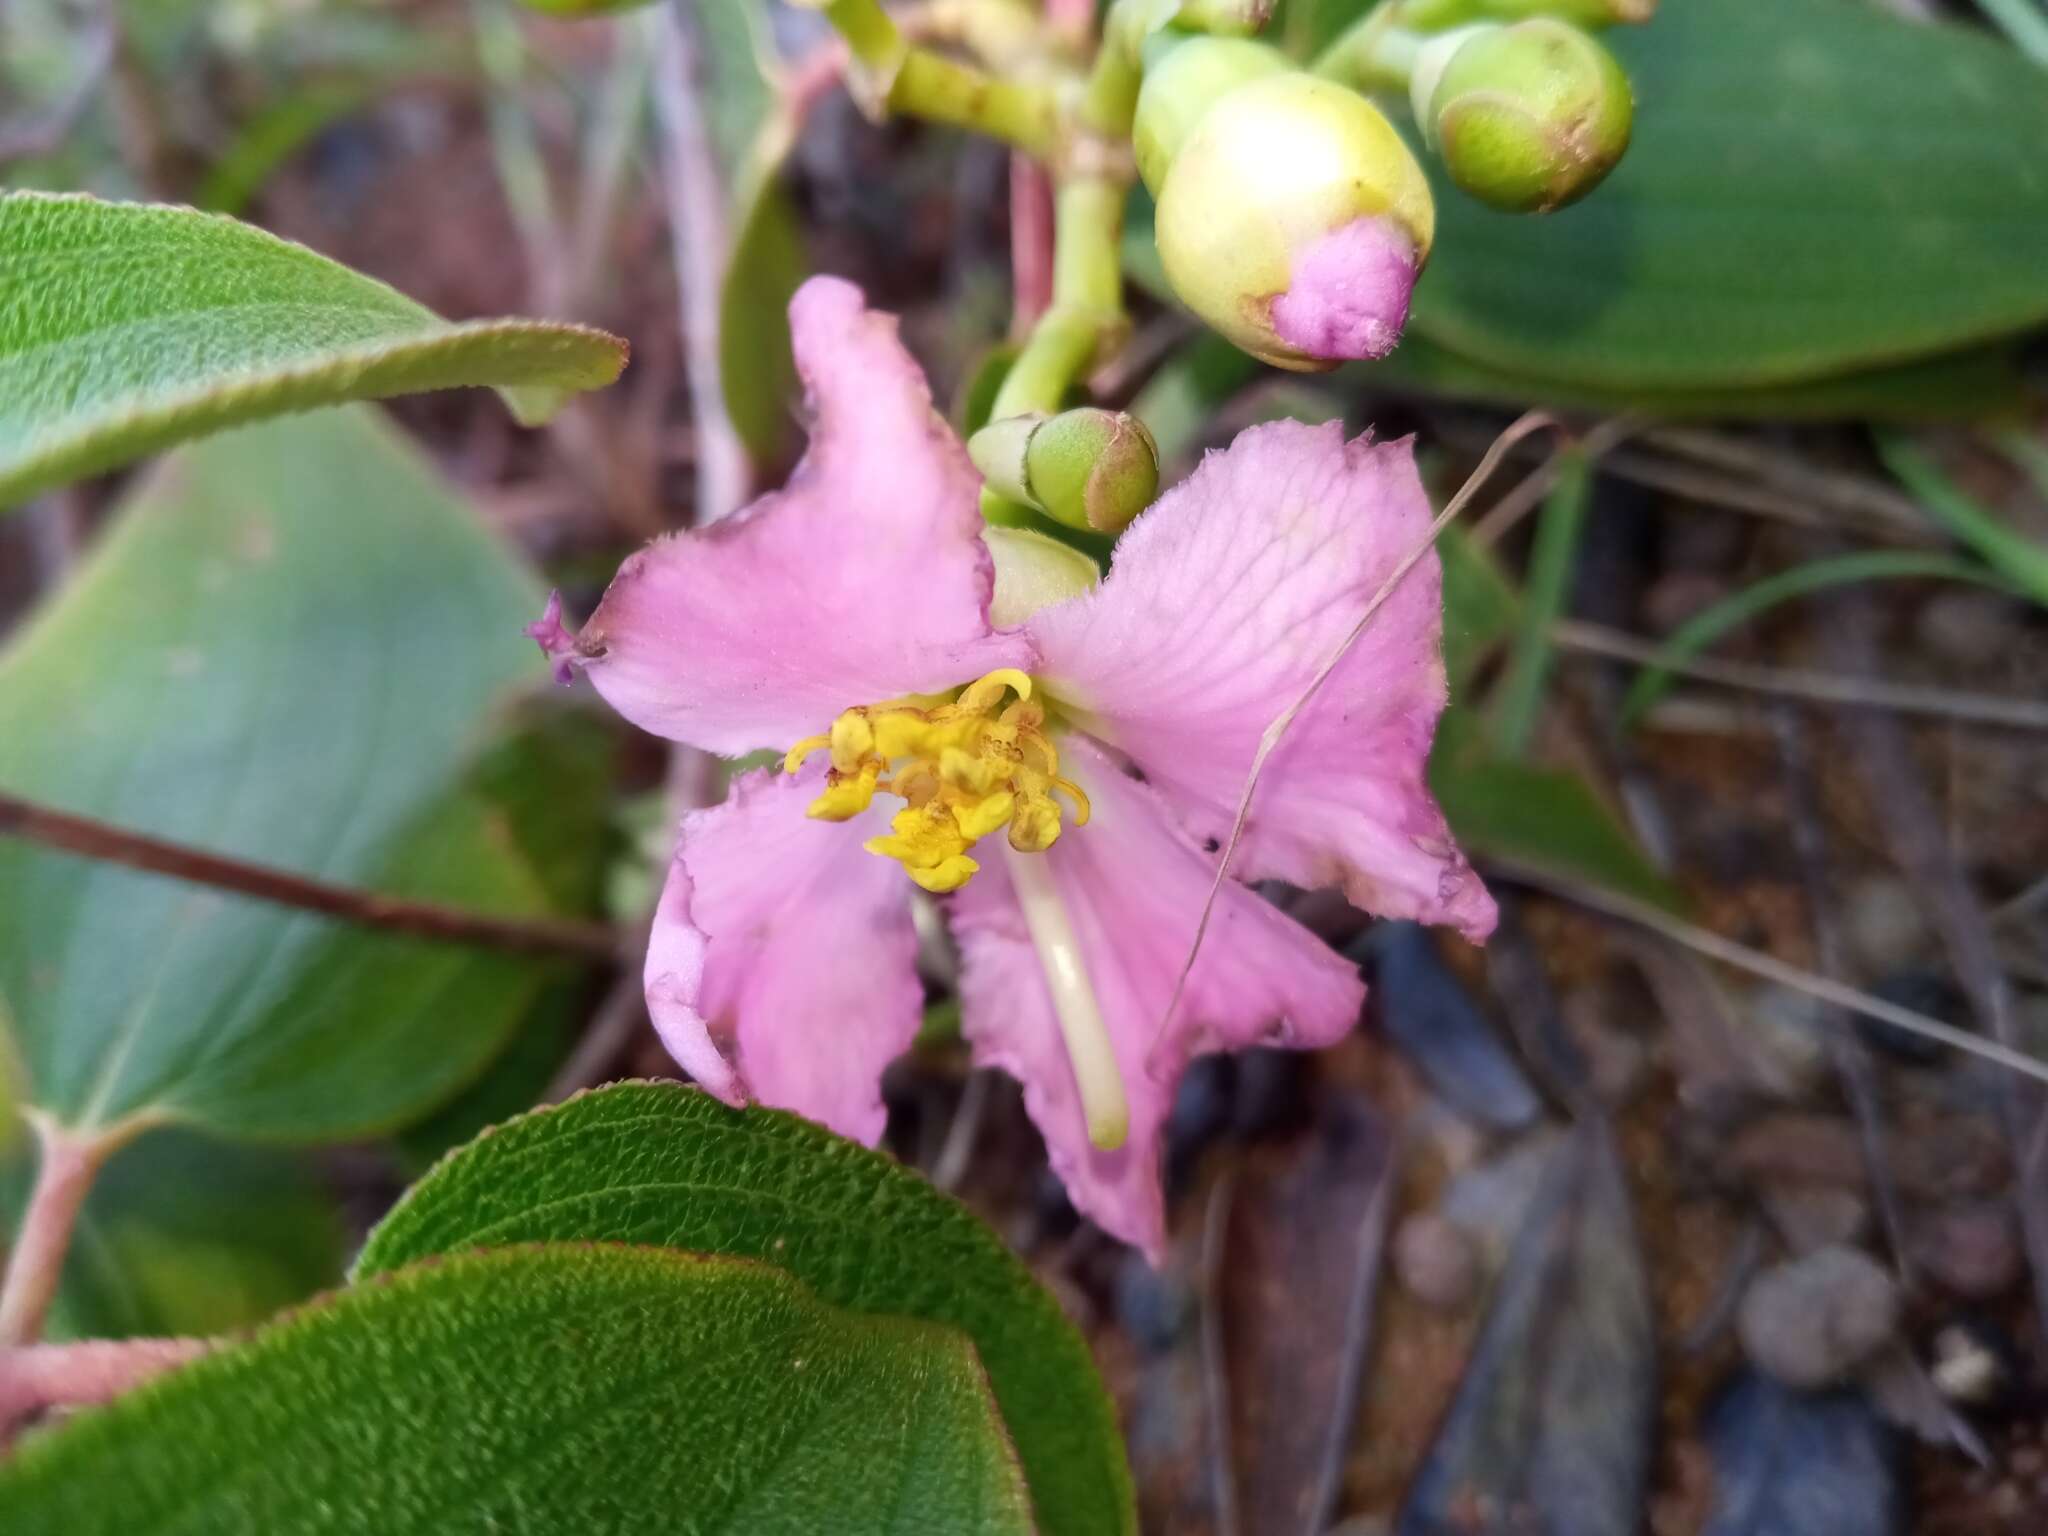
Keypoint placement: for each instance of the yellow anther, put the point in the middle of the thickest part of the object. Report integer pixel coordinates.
(853, 741)
(793, 759)
(1034, 824)
(965, 767)
(977, 818)
(900, 733)
(948, 875)
(845, 795)
(980, 696)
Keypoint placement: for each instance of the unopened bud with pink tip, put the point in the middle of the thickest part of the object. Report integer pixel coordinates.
(1291, 217)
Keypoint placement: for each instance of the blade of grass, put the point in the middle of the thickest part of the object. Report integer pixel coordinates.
(2021, 560)
(1710, 624)
(1551, 562)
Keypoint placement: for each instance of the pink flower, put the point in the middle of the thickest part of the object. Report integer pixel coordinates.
(845, 620)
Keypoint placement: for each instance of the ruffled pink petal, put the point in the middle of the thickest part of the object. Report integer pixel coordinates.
(864, 579)
(1133, 884)
(1348, 292)
(1224, 601)
(783, 962)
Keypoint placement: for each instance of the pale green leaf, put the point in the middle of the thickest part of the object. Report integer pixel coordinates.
(604, 1391)
(289, 648)
(127, 327)
(661, 1164)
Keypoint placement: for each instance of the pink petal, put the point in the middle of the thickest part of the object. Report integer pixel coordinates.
(1134, 884)
(1348, 294)
(783, 963)
(1224, 601)
(862, 580)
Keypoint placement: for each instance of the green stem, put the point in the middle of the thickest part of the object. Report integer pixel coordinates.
(1087, 297)
(1375, 53)
(1109, 99)
(924, 84)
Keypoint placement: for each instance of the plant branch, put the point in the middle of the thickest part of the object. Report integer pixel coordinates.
(66, 1166)
(107, 844)
(899, 76)
(37, 1377)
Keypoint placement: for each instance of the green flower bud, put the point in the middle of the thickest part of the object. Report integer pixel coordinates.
(1527, 118)
(1294, 220)
(1033, 571)
(1087, 468)
(1225, 18)
(1183, 84)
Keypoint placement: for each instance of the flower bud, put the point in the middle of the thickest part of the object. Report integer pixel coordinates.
(1182, 85)
(1294, 220)
(1033, 571)
(1088, 468)
(1527, 118)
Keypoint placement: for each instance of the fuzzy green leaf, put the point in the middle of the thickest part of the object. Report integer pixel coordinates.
(586, 1389)
(661, 1164)
(127, 327)
(290, 648)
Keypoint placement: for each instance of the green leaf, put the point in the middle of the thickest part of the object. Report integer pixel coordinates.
(185, 1235)
(1963, 385)
(1481, 606)
(1779, 216)
(1738, 608)
(288, 649)
(659, 1163)
(757, 369)
(593, 1390)
(2022, 561)
(125, 328)
(1545, 818)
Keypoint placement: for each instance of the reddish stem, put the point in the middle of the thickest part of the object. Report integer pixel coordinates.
(64, 1174)
(38, 1377)
(1031, 242)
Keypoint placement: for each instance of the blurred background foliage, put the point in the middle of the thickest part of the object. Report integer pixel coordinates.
(1797, 340)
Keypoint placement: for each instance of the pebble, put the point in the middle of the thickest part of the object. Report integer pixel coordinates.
(1883, 924)
(1788, 1027)
(1972, 1251)
(1812, 1321)
(1970, 629)
(1816, 1216)
(1437, 1262)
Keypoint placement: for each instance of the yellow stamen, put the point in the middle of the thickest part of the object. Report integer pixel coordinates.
(793, 759)
(965, 768)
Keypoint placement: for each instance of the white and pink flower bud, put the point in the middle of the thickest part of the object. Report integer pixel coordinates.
(1292, 217)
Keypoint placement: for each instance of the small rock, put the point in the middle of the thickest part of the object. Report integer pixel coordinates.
(1788, 1027)
(1810, 1322)
(1974, 1364)
(1823, 1149)
(1970, 629)
(1816, 1216)
(1884, 925)
(1971, 1251)
(1436, 1262)
(1616, 1059)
